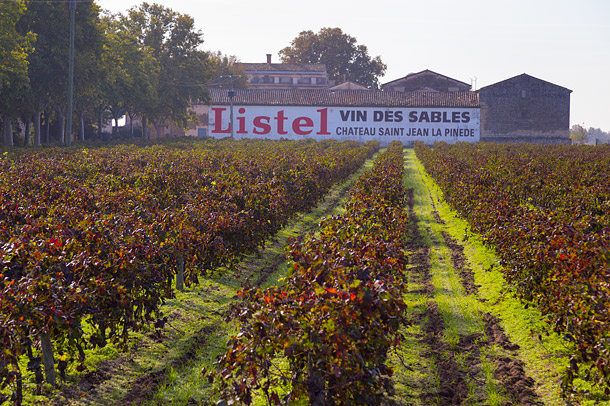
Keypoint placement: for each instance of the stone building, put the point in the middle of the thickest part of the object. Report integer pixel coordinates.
(342, 114)
(519, 109)
(286, 75)
(525, 109)
(426, 81)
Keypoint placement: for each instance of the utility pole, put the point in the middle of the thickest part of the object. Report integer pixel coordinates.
(71, 73)
(231, 96)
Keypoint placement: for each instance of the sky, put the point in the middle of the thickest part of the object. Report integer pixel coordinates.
(566, 42)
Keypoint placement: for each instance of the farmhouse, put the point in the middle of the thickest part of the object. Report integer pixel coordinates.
(295, 101)
(426, 81)
(285, 75)
(525, 109)
(360, 115)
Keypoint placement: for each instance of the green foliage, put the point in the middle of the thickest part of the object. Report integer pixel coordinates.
(14, 50)
(183, 68)
(131, 72)
(344, 59)
(578, 133)
(94, 237)
(224, 66)
(336, 316)
(147, 63)
(545, 209)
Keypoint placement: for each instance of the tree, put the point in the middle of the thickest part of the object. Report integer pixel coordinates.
(14, 50)
(49, 60)
(89, 71)
(344, 59)
(183, 68)
(578, 133)
(225, 66)
(132, 72)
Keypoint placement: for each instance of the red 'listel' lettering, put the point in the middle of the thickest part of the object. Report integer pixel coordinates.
(262, 125)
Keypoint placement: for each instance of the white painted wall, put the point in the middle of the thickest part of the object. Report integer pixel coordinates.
(347, 123)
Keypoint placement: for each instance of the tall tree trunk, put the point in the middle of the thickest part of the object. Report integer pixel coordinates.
(159, 129)
(8, 131)
(131, 125)
(37, 128)
(100, 123)
(115, 129)
(62, 129)
(47, 135)
(82, 126)
(144, 127)
(26, 135)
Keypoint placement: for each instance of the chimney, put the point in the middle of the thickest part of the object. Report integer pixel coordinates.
(269, 58)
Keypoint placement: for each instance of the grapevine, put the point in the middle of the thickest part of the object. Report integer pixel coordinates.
(96, 236)
(546, 209)
(338, 312)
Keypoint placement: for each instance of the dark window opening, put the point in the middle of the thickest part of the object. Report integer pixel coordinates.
(304, 81)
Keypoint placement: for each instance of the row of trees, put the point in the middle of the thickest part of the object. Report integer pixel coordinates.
(579, 134)
(146, 63)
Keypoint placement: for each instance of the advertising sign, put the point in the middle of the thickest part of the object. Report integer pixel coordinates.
(348, 123)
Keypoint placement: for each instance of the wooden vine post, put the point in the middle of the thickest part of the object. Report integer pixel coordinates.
(180, 273)
(47, 358)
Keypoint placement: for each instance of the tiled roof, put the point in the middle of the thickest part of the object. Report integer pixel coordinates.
(284, 67)
(349, 86)
(424, 73)
(327, 97)
(524, 76)
(427, 89)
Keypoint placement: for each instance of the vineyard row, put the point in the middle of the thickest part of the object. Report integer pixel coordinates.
(546, 210)
(323, 334)
(91, 240)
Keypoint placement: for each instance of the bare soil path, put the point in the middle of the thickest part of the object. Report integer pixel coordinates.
(457, 351)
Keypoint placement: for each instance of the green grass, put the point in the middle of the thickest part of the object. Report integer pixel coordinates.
(414, 374)
(461, 313)
(546, 359)
(495, 398)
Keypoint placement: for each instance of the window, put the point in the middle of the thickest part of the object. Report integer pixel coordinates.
(321, 81)
(267, 79)
(523, 94)
(285, 80)
(304, 81)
